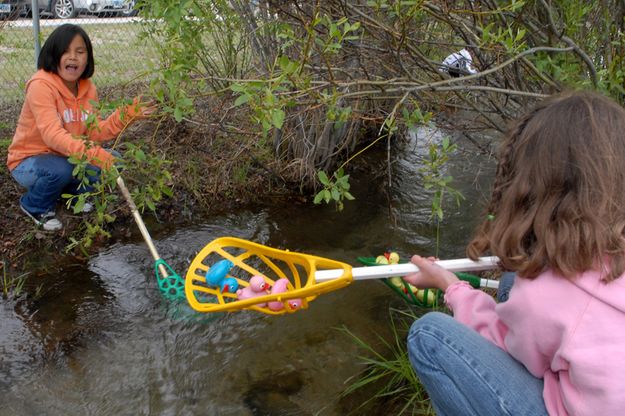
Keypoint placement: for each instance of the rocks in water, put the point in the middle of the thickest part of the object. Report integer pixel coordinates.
(270, 395)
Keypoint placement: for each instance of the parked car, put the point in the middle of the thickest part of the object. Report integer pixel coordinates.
(67, 9)
(11, 9)
(132, 9)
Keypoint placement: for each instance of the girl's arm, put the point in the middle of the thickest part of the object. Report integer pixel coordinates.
(534, 321)
(472, 307)
(114, 124)
(476, 309)
(41, 99)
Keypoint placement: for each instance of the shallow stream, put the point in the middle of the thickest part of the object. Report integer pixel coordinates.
(101, 341)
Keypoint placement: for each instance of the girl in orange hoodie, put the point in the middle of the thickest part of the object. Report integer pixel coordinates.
(52, 125)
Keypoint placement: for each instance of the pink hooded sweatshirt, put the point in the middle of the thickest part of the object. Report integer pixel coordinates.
(569, 333)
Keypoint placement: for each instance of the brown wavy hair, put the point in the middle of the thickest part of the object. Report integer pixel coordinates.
(558, 199)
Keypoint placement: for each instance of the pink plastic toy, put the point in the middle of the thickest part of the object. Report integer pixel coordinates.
(281, 286)
(257, 287)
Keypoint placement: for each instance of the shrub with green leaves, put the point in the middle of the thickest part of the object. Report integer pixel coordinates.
(148, 181)
(315, 75)
(335, 189)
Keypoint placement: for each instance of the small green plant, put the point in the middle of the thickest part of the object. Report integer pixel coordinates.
(240, 173)
(414, 117)
(336, 189)
(149, 182)
(390, 371)
(435, 179)
(11, 286)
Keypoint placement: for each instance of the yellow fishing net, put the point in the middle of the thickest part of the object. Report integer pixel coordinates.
(224, 277)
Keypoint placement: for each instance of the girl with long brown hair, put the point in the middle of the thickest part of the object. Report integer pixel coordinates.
(556, 218)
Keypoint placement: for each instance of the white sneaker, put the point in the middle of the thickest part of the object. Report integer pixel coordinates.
(46, 221)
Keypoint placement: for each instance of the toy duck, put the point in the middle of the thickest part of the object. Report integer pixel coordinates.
(257, 287)
(381, 260)
(431, 295)
(216, 276)
(398, 282)
(389, 257)
(229, 284)
(281, 286)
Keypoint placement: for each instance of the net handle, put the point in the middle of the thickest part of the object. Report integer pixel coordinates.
(323, 275)
(141, 226)
(390, 270)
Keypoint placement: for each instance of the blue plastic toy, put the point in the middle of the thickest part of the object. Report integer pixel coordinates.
(216, 276)
(229, 284)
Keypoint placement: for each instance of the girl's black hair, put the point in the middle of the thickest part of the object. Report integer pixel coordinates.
(57, 44)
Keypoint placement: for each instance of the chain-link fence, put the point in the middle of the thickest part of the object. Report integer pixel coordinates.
(120, 55)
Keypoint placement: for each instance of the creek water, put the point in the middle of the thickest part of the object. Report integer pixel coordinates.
(100, 340)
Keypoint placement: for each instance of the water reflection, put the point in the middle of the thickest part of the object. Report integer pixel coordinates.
(102, 341)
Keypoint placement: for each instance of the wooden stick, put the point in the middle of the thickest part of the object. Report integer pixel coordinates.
(141, 225)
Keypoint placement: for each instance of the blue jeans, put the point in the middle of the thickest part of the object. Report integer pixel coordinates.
(465, 374)
(45, 178)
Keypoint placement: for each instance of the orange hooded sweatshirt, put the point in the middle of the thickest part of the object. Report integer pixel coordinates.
(53, 121)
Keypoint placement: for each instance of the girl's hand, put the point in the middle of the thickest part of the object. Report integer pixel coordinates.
(140, 108)
(430, 275)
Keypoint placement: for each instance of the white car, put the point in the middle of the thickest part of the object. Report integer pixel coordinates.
(67, 9)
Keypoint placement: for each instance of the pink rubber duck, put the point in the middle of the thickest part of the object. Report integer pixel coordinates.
(257, 287)
(281, 286)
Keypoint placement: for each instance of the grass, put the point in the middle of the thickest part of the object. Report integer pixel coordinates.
(121, 56)
(12, 287)
(390, 372)
(4, 145)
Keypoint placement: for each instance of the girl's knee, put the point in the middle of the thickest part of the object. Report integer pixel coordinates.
(431, 321)
(53, 172)
(51, 162)
(426, 334)
(57, 168)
